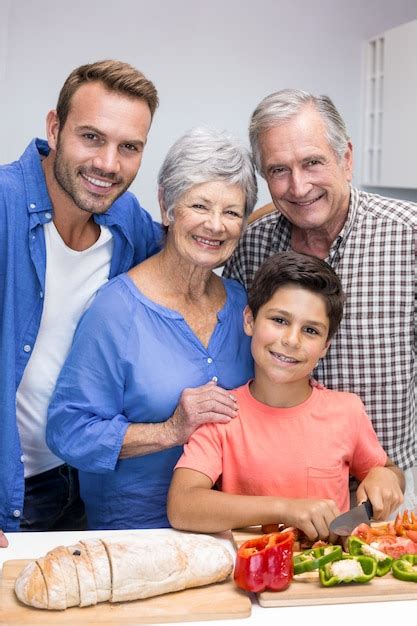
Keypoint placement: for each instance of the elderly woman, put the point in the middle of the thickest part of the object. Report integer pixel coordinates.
(154, 355)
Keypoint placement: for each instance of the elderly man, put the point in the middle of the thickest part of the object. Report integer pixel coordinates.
(67, 225)
(302, 149)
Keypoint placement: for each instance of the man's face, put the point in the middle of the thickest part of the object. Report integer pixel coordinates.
(99, 150)
(307, 182)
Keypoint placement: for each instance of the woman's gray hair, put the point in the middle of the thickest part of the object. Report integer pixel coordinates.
(283, 105)
(203, 155)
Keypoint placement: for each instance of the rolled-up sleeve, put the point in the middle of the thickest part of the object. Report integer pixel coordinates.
(86, 425)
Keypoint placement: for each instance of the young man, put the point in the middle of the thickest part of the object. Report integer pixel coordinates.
(302, 149)
(287, 457)
(67, 225)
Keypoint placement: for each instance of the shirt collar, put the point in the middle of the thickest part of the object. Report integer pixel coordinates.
(37, 196)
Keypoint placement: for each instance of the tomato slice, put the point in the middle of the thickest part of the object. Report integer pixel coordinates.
(396, 547)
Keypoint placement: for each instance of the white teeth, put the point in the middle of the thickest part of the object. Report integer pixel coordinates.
(285, 359)
(208, 242)
(307, 203)
(99, 183)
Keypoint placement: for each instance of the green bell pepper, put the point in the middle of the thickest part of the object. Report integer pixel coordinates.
(315, 558)
(331, 574)
(405, 568)
(357, 547)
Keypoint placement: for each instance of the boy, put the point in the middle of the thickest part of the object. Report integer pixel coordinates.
(287, 457)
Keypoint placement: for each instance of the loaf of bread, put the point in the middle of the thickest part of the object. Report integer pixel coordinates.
(124, 567)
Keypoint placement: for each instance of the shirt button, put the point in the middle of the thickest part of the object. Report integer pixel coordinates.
(22, 458)
(48, 216)
(215, 379)
(16, 513)
(27, 348)
(41, 294)
(209, 360)
(32, 205)
(33, 236)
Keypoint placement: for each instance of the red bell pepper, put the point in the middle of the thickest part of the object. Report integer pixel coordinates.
(265, 563)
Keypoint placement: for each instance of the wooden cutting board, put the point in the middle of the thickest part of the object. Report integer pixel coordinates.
(212, 602)
(307, 590)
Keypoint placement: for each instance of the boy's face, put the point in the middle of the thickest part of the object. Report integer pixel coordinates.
(289, 335)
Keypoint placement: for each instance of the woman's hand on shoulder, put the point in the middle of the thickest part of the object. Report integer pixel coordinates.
(201, 405)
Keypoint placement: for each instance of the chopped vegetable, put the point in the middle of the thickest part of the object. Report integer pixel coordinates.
(265, 563)
(349, 569)
(315, 558)
(357, 547)
(405, 568)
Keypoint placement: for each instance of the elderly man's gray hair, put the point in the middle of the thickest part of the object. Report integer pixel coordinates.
(203, 155)
(283, 105)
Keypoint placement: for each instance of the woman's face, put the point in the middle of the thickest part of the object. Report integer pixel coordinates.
(208, 221)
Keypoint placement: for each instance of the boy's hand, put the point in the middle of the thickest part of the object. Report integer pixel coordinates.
(3, 540)
(382, 487)
(200, 405)
(312, 516)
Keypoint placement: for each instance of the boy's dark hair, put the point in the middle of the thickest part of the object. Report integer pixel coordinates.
(302, 270)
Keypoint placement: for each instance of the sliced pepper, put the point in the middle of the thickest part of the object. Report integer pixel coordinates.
(329, 578)
(315, 558)
(405, 568)
(357, 547)
(265, 563)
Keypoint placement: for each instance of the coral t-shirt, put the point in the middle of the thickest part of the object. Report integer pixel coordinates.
(306, 451)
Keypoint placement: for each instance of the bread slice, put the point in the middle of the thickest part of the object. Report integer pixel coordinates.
(30, 586)
(54, 579)
(69, 572)
(85, 574)
(101, 567)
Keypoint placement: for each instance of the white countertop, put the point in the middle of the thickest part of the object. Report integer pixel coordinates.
(33, 545)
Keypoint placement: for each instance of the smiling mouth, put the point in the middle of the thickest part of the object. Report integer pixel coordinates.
(284, 358)
(212, 243)
(307, 202)
(98, 183)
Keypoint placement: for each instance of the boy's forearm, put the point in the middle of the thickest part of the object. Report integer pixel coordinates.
(211, 511)
(398, 473)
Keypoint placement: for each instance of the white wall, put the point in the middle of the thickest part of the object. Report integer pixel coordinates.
(212, 62)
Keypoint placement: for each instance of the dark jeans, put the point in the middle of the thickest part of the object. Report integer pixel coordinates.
(52, 501)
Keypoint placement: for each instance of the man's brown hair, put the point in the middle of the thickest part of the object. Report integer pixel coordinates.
(301, 270)
(116, 76)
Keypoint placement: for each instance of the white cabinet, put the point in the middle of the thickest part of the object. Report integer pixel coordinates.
(390, 114)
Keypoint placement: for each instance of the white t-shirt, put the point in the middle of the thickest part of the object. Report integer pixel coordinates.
(72, 280)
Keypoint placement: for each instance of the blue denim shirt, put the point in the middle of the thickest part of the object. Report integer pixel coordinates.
(24, 207)
(129, 363)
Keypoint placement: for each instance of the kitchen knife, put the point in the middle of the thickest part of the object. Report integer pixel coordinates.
(344, 524)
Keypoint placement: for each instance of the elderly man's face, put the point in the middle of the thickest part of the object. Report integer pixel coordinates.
(308, 183)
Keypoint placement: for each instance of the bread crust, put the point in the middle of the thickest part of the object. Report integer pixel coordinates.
(122, 568)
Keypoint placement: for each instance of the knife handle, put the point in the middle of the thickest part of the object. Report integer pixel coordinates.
(368, 508)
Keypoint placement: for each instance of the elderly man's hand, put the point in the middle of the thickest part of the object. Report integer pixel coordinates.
(3, 540)
(200, 405)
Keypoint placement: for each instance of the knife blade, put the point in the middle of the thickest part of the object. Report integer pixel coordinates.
(343, 525)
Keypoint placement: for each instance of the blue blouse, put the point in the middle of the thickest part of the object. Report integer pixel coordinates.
(131, 358)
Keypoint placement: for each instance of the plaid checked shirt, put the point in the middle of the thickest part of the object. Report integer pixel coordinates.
(373, 352)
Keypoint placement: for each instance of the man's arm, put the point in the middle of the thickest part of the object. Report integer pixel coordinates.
(194, 505)
(384, 487)
(3, 540)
